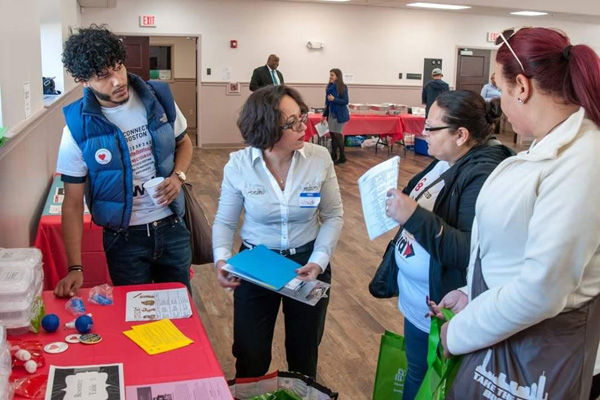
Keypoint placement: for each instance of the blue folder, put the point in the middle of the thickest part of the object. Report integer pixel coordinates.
(265, 266)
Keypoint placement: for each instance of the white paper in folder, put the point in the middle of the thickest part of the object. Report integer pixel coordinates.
(373, 186)
(322, 128)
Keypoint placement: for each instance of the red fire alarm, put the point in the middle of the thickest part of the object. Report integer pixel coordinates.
(233, 44)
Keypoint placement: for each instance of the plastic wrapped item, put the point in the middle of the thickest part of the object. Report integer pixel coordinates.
(354, 141)
(32, 387)
(5, 366)
(101, 295)
(33, 347)
(75, 306)
(371, 142)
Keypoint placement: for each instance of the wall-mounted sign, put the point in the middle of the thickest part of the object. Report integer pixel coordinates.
(492, 36)
(414, 76)
(148, 21)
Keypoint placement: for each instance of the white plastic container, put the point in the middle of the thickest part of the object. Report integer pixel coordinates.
(5, 366)
(356, 108)
(26, 257)
(379, 109)
(18, 289)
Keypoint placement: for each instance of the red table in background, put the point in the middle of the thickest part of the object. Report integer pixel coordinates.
(49, 240)
(413, 124)
(196, 361)
(385, 125)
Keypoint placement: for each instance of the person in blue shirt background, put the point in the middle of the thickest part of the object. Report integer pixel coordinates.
(490, 90)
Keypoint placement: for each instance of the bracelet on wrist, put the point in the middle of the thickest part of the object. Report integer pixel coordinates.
(75, 268)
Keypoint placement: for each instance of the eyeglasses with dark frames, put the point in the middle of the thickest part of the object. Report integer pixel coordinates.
(296, 125)
(428, 129)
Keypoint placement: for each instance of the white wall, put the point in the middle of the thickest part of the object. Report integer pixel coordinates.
(51, 43)
(21, 51)
(28, 160)
(20, 58)
(374, 43)
(71, 17)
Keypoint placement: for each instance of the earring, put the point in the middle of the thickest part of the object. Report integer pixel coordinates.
(520, 100)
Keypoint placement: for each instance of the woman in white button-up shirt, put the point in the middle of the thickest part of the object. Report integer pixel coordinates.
(290, 195)
(530, 317)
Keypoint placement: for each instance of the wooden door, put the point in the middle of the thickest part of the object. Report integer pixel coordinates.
(138, 55)
(473, 69)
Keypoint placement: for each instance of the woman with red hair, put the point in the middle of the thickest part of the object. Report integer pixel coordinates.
(527, 321)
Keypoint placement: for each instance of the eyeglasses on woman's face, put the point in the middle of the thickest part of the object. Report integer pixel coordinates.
(296, 125)
(428, 129)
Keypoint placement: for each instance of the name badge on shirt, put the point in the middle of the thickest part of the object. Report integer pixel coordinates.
(309, 200)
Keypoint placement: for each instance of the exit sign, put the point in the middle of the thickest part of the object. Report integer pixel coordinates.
(148, 21)
(492, 36)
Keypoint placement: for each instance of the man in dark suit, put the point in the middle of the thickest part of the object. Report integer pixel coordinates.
(267, 74)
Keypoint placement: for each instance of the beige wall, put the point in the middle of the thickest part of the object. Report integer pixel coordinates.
(219, 112)
(183, 84)
(184, 92)
(373, 43)
(184, 54)
(27, 164)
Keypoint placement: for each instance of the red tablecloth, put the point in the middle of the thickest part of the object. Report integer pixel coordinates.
(195, 361)
(413, 124)
(389, 125)
(49, 241)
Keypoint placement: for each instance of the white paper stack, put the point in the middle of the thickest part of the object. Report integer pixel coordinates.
(5, 366)
(21, 279)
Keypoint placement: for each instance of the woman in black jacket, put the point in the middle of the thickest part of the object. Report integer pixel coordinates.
(435, 211)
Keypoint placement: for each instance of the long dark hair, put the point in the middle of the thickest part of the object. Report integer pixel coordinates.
(260, 119)
(558, 68)
(466, 109)
(339, 83)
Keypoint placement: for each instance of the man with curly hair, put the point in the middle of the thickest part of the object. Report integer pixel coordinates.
(122, 133)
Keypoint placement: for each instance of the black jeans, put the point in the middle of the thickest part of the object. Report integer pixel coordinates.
(156, 252)
(595, 387)
(254, 314)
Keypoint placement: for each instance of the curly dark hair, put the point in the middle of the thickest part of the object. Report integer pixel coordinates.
(261, 119)
(92, 51)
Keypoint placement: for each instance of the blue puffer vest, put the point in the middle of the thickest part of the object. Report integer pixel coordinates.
(109, 187)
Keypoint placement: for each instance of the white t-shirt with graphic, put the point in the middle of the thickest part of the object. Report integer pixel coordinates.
(131, 119)
(413, 260)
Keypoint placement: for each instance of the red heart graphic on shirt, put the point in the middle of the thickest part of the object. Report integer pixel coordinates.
(102, 156)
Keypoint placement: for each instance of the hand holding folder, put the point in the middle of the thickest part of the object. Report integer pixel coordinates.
(264, 267)
(270, 270)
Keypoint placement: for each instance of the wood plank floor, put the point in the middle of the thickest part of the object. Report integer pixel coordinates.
(355, 320)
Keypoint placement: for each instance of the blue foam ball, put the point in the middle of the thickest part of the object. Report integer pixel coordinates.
(84, 324)
(50, 322)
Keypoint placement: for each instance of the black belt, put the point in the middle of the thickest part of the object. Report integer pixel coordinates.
(288, 252)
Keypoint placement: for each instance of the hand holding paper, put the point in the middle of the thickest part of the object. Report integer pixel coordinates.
(399, 206)
(373, 186)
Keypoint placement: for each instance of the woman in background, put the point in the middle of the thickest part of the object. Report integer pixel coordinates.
(337, 114)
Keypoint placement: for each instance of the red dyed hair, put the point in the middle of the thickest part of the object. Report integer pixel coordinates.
(572, 75)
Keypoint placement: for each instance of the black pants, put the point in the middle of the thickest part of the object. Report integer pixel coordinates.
(254, 314)
(337, 142)
(595, 393)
